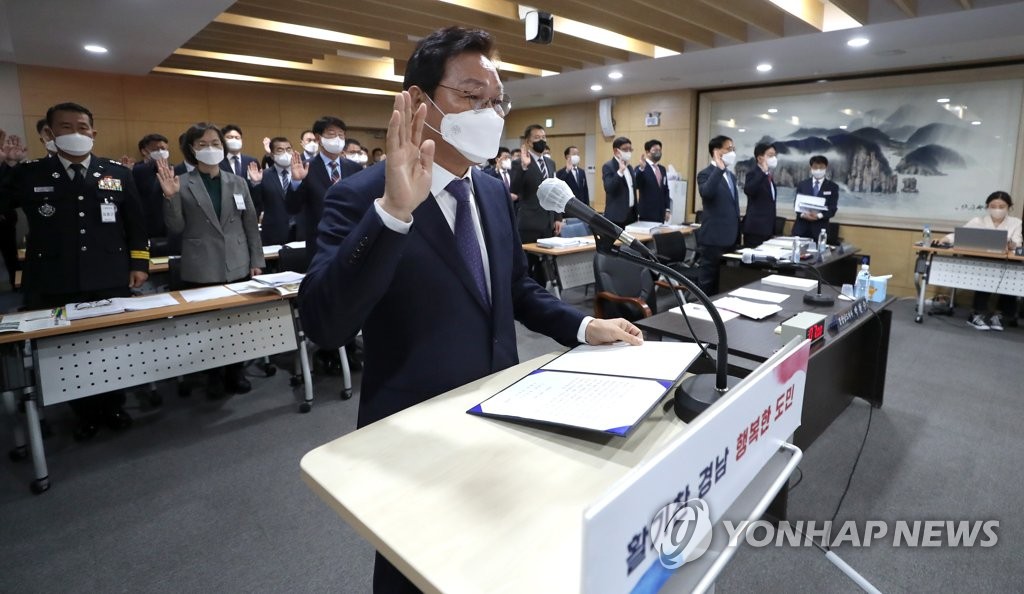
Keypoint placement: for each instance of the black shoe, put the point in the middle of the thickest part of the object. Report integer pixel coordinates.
(215, 384)
(235, 382)
(85, 431)
(329, 361)
(117, 419)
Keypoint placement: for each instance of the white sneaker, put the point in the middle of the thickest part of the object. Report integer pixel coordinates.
(996, 323)
(977, 322)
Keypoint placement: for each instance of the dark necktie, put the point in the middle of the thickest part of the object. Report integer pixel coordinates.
(79, 175)
(335, 174)
(504, 178)
(284, 179)
(817, 186)
(576, 176)
(465, 235)
(657, 174)
(543, 166)
(236, 165)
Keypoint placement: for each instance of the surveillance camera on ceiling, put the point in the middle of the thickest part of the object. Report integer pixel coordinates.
(540, 27)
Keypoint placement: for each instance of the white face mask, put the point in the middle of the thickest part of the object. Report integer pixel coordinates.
(772, 162)
(625, 156)
(310, 147)
(575, 160)
(283, 159)
(359, 158)
(74, 144)
(818, 173)
(234, 145)
(475, 134)
(210, 155)
(50, 146)
(729, 158)
(997, 214)
(159, 154)
(333, 145)
(506, 164)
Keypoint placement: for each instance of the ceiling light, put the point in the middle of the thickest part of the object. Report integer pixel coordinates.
(272, 81)
(616, 75)
(976, 123)
(942, 100)
(596, 87)
(96, 49)
(858, 42)
(764, 67)
(843, 127)
(773, 110)
(742, 130)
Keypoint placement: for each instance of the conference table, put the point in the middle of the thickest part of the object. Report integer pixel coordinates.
(851, 362)
(105, 353)
(974, 270)
(837, 266)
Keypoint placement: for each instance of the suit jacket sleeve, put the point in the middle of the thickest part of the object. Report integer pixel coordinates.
(295, 198)
(174, 218)
(755, 178)
(707, 182)
(611, 178)
(256, 191)
(250, 225)
(135, 226)
(832, 202)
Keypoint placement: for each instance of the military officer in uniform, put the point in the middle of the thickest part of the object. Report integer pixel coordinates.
(86, 235)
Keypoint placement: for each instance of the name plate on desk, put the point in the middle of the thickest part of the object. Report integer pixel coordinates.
(713, 460)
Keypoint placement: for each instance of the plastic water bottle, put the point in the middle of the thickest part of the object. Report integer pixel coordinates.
(926, 236)
(795, 256)
(822, 241)
(860, 286)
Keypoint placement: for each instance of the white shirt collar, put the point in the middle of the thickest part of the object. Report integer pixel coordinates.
(327, 160)
(441, 177)
(67, 164)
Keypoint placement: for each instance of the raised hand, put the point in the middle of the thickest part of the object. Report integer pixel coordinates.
(127, 161)
(255, 173)
(524, 156)
(719, 162)
(12, 149)
(170, 184)
(410, 159)
(266, 144)
(299, 169)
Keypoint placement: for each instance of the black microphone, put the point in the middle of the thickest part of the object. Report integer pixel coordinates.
(750, 257)
(555, 196)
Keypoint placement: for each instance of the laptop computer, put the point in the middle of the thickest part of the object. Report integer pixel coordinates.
(986, 240)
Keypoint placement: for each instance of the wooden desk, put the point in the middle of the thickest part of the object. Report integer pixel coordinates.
(574, 266)
(850, 363)
(465, 504)
(975, 270)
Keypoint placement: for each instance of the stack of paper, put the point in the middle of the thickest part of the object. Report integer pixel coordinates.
(759, 295)
(558, 242)
(750, 309)
(790, 282)
(279, 278)
(249, 286)
(807, 203)
(296, 244)
(642, 227)
(93, 309)
(147, 302)
(699, 312)
(28, 321)
(271, 250)
(206, 293)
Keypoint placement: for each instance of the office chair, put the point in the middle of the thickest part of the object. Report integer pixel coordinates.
(833, 234)
(670, 249)
(297, 260)
(780, 226)
(574, 228)
(623, 289)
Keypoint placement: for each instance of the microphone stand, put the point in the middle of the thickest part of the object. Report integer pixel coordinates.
(697, 392)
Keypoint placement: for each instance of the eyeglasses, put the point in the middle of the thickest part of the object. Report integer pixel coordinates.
(501, 104)
(92, 304)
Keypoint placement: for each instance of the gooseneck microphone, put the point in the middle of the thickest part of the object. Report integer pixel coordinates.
(555, 196)
(810, 298)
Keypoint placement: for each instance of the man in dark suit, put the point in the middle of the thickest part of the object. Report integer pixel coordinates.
(759, 186)
(428, 223)
(528, 171)
(234, 161)
(86, 239)
(310, 181)
(619, 179)
(573, 176)
(653, 201)
(152, 147)
(720, 222)
(269, 193)
(810, 224)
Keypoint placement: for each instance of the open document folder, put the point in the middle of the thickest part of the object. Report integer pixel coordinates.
(608, 388)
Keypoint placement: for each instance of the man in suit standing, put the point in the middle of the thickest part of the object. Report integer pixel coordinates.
(152, 147)
(527, 173)
(269, 193)
(720, 222)
(810, 224)
(573, 176)
(429, 223)
(310, 181)
(619, 179)
(86, 240)
(653, 201)
(759, 186)
(234, 161)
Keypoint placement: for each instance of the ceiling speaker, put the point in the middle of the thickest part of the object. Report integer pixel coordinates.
(604, 111)
(540, 27)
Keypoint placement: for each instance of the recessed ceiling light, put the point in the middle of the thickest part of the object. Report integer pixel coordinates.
(842, 127)
(742, 130)
(773, 110)
(942, 100)
(976, 123)
(96, 49)
(764, 67)
(615, 75)
(821, 80)
(858, 42)
(596, 87)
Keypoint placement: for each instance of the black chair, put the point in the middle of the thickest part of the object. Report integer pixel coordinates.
(780, 226)
(833, 234)
(174, 282)
(623, 289)
(671, 250)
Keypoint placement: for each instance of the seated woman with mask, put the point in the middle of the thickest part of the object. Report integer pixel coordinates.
(998, 205)
(213, 211)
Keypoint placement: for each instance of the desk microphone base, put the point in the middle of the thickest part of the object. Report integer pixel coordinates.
(819, 300)
(697, 393)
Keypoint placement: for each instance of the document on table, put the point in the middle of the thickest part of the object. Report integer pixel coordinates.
(28, 321)
(147, 302)
(207, 293)
(790, 282)
(746, 308)
(271, 250)
(279, 278)
(599, 388)
(250, 286)
(759, 295)
(699, 312)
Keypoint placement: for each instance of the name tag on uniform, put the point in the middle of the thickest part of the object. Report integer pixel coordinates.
(108, 213)
(110, 183)
(829, 193)
(42, 189)
(240, 201)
